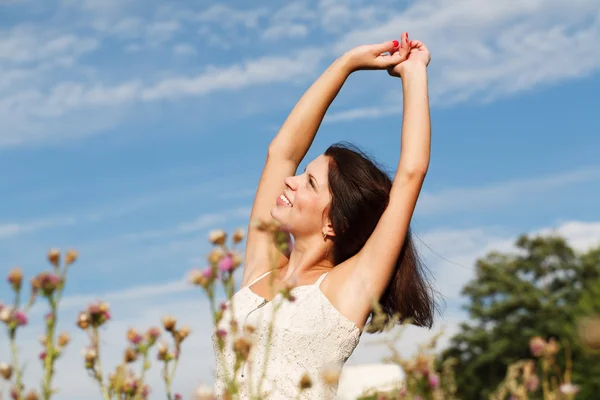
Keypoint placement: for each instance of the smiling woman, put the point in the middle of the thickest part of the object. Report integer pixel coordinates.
(352, 246)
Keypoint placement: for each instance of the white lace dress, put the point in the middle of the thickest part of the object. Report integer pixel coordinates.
(309, 334)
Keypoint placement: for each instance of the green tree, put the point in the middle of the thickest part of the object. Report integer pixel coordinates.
(541, 290)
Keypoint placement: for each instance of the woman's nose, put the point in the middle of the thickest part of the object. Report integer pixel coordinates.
(290, 182)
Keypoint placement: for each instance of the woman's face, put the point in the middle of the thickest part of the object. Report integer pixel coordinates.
(303, 206)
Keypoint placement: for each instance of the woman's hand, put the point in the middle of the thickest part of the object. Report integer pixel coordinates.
(371, 56)
(418, 56)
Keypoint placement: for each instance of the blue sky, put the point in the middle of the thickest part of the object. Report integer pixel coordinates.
(130, 129)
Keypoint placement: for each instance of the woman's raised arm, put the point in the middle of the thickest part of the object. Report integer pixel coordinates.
(369, 271)
(293, 141)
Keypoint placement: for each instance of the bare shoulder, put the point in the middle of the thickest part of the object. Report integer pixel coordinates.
(348, 295)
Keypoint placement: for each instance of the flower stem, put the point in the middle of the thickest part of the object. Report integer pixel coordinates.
(49, 359)
(15, 362)
(142, 374)
(169, 378)
(98, 365)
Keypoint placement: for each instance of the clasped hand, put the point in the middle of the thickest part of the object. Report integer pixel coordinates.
(392, 55)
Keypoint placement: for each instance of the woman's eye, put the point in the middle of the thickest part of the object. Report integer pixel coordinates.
(311, 183)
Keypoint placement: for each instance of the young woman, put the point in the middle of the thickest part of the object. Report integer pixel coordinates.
(350, 225)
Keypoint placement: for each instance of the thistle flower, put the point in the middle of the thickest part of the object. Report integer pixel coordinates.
(242, 346)
(99, 313)
(183, 333)
(226, 263)
(238, 235)
(90, 355)
(130, 355)
(163, 351)
(15, 278)
(71, 256)
(133, 336)
(42, 355)
(434, 380)
(197, 277)
(537, 346)
(54, 257)
(178, 396)
(63, 339)
(47, 282)
(20, 318)
(551, 348)
(217, 237)
(6, 371)
(169, 323)
(6, 313)
(305, 382)
(32, 395)
(152, 335)
(83, 320)
(330, 375)
(221, 333)
(215, 255)
(532, 383)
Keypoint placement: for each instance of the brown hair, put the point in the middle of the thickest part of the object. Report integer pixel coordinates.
(360, 192)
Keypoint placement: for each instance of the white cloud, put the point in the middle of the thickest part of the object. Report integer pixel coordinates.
(13, 229)
(501, 193)
(229, 17)
(293, 31)
(487, 49)
(26, 44)
(24, 113)
(184, 49)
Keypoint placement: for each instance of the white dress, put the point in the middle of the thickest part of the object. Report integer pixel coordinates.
(309, 334)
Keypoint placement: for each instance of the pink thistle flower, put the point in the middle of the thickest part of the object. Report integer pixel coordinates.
(42, 355)
(226, 263)
(221, 333)
(537, 346)
(153, 334)
(178, 396)
(532, 383)
(207, 273)
(434, 380)
(21, 318)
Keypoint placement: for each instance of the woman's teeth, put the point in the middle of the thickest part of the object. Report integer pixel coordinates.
(285, 200)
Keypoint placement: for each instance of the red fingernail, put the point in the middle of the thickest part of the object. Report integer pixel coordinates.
(395, 43)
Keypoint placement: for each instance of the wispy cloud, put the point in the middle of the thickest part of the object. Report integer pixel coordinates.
(485, 50)
(494, 195)
(22, 109)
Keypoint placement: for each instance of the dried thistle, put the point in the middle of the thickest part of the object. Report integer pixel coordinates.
(169, 323)
(238, 235)
(15, 278)
(305, 382)
(6, 371)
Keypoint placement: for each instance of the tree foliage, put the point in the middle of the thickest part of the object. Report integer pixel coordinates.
(540, 290)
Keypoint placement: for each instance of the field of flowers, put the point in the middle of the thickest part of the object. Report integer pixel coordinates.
(426, 377)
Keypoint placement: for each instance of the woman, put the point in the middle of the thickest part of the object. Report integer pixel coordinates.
(352, 245)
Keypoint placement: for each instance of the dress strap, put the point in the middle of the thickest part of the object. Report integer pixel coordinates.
(259, 278)
(318, 282)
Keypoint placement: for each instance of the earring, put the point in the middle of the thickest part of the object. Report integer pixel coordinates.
(324, 236)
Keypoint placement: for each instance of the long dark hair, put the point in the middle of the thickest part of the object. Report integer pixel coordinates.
(360, 191)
